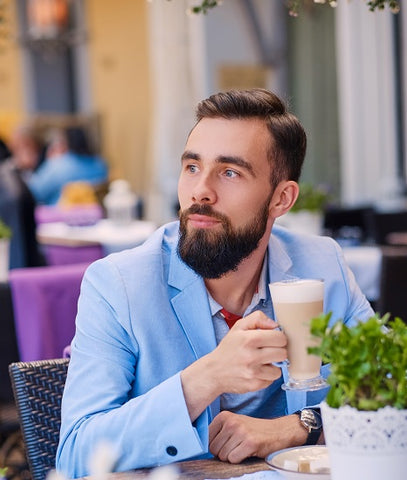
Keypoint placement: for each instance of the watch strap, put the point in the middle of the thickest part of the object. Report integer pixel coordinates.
(313, 437)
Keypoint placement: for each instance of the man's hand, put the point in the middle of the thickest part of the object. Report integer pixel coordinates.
(243, 359)
(242, 362)
(234, 437)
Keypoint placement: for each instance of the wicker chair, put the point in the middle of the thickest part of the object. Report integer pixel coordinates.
(38, 388)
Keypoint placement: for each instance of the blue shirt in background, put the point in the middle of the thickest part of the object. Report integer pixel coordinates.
(47, 182)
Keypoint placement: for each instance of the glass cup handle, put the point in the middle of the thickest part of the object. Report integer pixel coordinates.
(284, 363)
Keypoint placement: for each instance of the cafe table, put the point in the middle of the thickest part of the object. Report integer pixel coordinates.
(65, 243)
(203, 469)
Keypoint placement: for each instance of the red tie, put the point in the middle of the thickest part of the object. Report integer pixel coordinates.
(230, 318)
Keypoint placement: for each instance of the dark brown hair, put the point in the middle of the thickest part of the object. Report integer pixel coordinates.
(288, 140)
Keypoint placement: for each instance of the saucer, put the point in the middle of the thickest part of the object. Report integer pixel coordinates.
(288, 461)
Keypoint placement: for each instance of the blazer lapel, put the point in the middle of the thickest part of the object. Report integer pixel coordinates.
(191, 306)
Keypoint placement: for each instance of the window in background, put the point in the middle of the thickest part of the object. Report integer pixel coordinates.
(52, 35)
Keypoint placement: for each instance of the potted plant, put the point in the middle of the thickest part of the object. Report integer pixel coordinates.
(5, 235)
(365, 411)
(306, 215)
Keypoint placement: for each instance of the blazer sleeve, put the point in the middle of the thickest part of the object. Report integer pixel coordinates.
(99, 404)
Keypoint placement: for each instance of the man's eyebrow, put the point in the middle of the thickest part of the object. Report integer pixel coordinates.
(189, 155)
(229, 159)
(238, 161)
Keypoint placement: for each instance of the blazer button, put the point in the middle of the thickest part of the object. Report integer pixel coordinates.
(172, 451)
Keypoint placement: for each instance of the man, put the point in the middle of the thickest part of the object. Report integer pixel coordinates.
(69, 158)
(17, 208)
(27, 150)
(155, 368)
(4, 151)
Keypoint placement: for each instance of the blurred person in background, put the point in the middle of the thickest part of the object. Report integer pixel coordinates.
(17, 211)
(27, 151)
(69, 158)
(4, 151)
(18, 160)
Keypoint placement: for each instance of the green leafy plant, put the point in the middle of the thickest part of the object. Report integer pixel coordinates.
(368, 361)
(294, 6)
(205, 6)
(311, 198)
(394, 5)
(5, 231)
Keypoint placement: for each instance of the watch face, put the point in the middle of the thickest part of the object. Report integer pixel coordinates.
(311, 419)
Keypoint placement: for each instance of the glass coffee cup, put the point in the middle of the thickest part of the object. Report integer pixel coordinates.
(295, 303)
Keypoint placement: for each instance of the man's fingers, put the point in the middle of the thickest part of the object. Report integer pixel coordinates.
(274, 338)
(256, 320)
(263, 338)
(229, 438)
(214, 428)
(231, 451)
(221, 440)
(239, 453)
(272, 355)
(221, 447)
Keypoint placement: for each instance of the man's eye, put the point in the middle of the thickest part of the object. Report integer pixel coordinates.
(192, 168)
(231, 173)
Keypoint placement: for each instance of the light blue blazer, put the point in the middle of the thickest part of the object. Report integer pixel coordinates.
(143, 316)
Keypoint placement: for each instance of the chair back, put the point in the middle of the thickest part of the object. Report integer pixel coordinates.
(38, 388)
(393, 282)
(45, 305)
(381, 224)
(341, 222)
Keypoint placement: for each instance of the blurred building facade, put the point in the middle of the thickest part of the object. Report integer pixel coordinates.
(139, 67)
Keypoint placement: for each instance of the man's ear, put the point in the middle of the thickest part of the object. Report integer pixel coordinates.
(284, 197)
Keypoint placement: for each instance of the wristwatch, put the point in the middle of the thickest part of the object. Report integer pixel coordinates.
(310, 419)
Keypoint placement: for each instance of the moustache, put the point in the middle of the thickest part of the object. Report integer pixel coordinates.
(206, 210)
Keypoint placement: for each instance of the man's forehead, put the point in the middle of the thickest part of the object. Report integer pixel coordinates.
(238, 133)
(253, 157)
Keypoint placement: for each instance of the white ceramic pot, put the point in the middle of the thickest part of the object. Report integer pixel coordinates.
(302, 221)
(4, 259)
(366, 444)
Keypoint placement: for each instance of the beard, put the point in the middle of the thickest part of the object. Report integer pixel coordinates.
(212, 254)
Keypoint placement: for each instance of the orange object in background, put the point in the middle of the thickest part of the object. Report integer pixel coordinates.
(47, 18)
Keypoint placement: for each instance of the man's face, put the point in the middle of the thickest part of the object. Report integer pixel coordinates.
(224, 192)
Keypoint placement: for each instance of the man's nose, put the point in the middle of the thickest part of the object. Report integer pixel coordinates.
(204, 191)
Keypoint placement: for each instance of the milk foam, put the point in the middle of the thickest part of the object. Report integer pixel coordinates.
(297, 291)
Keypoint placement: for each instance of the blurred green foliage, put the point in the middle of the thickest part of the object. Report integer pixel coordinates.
(313, 199)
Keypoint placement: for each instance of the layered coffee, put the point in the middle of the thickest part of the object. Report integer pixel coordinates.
(295, 304)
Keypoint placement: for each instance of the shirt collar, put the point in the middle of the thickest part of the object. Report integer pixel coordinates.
(259, 295)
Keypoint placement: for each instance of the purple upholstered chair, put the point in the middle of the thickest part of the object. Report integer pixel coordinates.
(45, 305)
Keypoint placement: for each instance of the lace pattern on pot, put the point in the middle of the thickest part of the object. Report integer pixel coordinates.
(383, 431)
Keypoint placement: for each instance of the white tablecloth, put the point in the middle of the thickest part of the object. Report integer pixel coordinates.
(110, 236)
